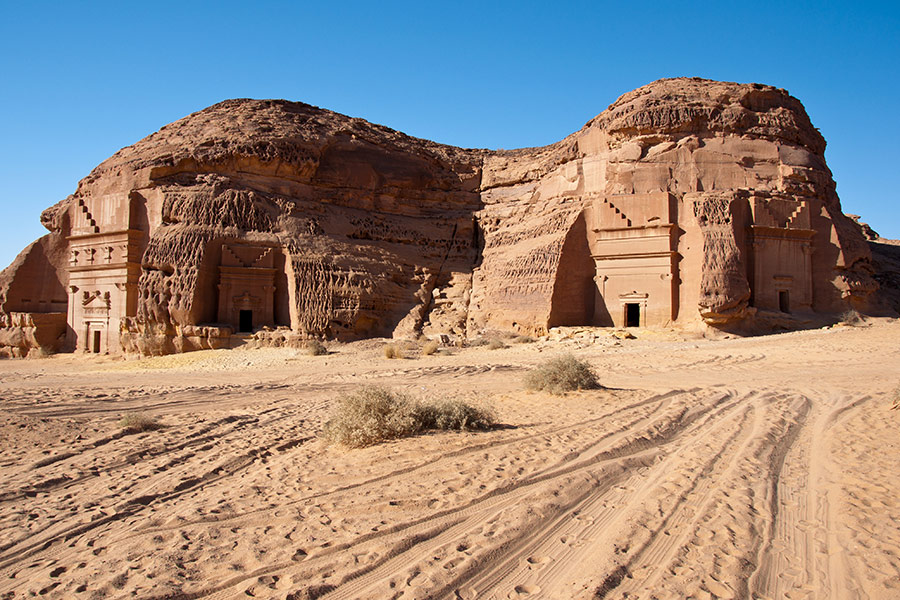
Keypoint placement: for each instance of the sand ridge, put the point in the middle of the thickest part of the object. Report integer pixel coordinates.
(736, 468)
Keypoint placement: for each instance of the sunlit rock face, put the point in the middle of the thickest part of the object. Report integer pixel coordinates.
(687, 203)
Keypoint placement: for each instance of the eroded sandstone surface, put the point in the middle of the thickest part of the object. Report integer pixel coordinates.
(687, 203)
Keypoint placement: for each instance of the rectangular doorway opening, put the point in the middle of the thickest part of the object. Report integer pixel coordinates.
(632, 314)
(784, 301)
(95, 343)
(245, 324)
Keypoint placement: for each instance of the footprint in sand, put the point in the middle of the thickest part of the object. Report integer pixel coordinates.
(536, 561)
(524, 590)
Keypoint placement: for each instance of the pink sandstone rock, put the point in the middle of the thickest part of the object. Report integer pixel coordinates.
(687, 203)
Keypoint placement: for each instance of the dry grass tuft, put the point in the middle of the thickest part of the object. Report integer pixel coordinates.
(315, 348)
(430, 347)
(496, 344)
(562, 374)
(455, 415)
(851, 317)
(375, 414)
(523, 339)
(393, 351)
(139, 423)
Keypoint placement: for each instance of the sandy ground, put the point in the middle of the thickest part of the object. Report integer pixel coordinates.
(740, 468)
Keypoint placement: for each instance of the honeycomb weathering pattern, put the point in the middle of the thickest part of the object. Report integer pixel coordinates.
(375, 233)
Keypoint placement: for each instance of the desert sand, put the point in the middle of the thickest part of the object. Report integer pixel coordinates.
(762, 467)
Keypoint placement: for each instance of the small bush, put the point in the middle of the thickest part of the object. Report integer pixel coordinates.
(371, 415)
(392, 351)
(454, 415)
(315, 348)
(375, 414)
(851, 317)
(496, 344)
(479, 341)
(430, 347)
(139, 422)
(562, 374)
(523, 339)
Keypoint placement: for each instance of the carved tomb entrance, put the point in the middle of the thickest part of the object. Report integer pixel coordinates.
(633, 241)
(247, 287)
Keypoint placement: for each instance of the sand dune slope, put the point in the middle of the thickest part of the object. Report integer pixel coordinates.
(740, 468)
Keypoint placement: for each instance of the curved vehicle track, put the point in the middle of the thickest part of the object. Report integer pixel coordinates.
(751, 468)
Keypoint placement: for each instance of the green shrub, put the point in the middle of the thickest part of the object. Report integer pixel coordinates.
(562, 374)
(315, 348)
(139, 422)
(430, 347)
(375, 414)
(392, 351)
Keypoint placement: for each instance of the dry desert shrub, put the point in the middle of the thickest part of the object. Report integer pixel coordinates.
(393, 351)
(523, 339)
(430, 347)
(496, 344)
(375, 414)
(315, 348)
(455, 415)
(139, 422)
(851, 317)
(562, 374)
(371, 415)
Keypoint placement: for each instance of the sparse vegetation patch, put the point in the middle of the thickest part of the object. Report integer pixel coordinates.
(375, 414)
(851, 317)
(139, 423)
(430, 347)
(315, 348)
(393, 351)
(562, 374)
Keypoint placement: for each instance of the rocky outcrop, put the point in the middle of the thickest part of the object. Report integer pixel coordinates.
(265, 214)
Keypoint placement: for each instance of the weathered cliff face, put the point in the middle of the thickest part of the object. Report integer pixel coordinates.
(686, 202)
(728, 154)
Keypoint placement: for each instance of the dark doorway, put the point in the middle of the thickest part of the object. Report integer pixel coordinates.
(246, 321)
(95, 346)
(784, 301)
(632, 314)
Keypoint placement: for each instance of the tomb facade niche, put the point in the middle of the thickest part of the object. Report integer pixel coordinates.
(633, 242)
(104, 254)
(247, 287)
(781, 253)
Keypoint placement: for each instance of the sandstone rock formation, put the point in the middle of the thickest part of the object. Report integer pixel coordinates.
(686, 203)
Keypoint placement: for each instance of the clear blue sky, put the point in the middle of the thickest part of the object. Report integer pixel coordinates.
(81, 80)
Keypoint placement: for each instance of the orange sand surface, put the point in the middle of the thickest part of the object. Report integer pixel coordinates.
(761, 467)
